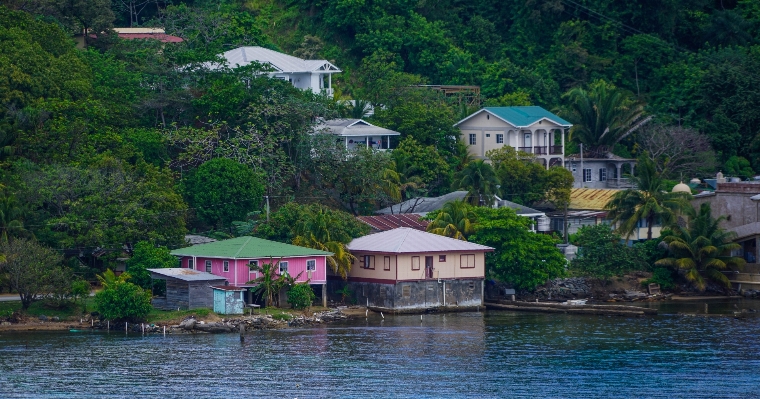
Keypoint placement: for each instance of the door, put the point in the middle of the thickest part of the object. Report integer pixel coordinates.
(527, 140)
(429, 267)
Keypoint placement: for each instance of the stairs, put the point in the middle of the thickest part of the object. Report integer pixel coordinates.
(746, 279)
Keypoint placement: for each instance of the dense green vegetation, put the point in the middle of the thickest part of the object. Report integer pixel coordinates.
(135, 141)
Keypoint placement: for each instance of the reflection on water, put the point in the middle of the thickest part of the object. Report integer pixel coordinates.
(495, 354)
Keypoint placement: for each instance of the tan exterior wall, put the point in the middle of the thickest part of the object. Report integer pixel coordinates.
(447, 270)
(358, 270)
(485, 130)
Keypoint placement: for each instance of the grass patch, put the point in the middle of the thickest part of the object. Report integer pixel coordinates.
(39, 308)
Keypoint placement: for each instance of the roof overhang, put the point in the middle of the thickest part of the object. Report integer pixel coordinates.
(508, 122)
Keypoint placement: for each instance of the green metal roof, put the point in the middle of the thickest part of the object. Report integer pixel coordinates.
(525, 116)
(247, 248)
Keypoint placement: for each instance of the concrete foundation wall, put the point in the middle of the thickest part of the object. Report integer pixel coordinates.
(409, 295)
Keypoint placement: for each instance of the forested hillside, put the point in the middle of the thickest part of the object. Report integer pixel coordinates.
(126, 141)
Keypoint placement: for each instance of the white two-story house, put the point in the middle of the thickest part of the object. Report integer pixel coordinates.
(530, 129)
(303, 74)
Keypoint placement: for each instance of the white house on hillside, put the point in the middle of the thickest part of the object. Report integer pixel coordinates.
(303, 74)
(357, 133)
(529, 129)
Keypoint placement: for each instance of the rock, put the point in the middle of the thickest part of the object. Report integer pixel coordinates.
(188, 324)
(43, 317)
(55, 318)
(214, 328)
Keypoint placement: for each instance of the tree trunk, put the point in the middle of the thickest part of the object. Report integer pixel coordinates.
(650, 219)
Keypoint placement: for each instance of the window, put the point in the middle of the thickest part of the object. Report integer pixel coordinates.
(226, 265)
(499, 139)
(473, 141)
(311, 265)
(208, 266)
(415, 263)
(488, 134)
(283, 267)
(441, 258)
(369, 262)
(387, 263)
(586, 175)
(189, 263)
(603, 174)
(467, 262)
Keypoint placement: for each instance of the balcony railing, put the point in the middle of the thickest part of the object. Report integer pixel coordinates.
(529, 150)
(540, 150)
(556, 150)
(619, 183)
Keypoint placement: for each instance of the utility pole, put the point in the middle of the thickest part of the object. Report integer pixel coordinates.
(267, 198)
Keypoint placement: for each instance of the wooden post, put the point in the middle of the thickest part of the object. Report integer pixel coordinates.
(324, 295)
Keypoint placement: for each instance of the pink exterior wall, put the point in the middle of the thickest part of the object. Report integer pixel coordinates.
(239, 273)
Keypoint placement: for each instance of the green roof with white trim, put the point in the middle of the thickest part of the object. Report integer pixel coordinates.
(521, 116)
(247, 248)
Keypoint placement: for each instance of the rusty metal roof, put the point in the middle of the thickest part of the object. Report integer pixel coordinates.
(184, 274)
(390, 222)
(591, 198)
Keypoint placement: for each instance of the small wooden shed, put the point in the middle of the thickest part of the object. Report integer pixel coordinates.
(186, 288)
(228, 299)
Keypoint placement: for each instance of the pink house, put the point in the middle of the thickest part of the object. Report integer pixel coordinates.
(231, 259)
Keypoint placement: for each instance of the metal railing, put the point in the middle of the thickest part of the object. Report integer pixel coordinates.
(623, 182)
(540, 150)
(529, 150)
(556, 150)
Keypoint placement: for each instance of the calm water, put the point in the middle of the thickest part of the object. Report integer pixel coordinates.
(493, 354)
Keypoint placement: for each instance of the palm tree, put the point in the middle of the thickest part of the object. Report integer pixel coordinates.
(269, 283)
(648, 202)
(456, 220)
(602, 116)
(703, 250)
(109, 279)
(479, 178)
(314, 231)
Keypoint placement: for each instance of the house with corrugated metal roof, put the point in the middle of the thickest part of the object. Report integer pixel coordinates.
(314, 75)
(529, 129)
(358, 133)
(232, 259)
(185, 288)
(410, 270)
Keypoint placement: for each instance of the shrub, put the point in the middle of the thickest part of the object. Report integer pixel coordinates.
(602, 254)
(662, 276)
(301, 296)
(123, 301)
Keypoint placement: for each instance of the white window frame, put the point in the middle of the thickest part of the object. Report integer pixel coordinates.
(473, 139)
(283, 266)
(208, 266)
(311, 265)
(586, 175)
(226, 266)
(499, 138)
(603, 174)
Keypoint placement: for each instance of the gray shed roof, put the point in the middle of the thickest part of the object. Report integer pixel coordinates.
(423, 205)
(243, 56)
(353, 127)
(185, 274)
(521, 210)
(408, 240)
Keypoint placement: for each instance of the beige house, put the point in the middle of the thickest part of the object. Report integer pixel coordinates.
(529, 129)
(409, 269)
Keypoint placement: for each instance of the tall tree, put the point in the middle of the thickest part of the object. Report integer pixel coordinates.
(702, 250)
(602, 116)
(479, 179)
(647, 202)
(32, 269)
(315, 230)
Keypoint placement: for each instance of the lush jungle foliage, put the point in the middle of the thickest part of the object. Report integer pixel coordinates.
(129, 141)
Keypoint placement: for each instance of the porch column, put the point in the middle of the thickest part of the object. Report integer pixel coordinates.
(632, 165)
(329, 81)
(324, 295)
(366, 141)
(617, 167)
(388, 140)
(346, 142)
(563, 148)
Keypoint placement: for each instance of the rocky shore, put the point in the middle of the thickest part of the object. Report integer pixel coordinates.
(190, 325)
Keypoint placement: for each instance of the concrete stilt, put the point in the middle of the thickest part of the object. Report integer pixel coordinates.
(324, 295)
